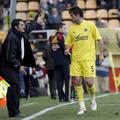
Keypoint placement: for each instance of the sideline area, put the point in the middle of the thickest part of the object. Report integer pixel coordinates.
(57, 106)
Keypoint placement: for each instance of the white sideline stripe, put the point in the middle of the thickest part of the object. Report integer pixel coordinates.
(28, 104)
(57, 106)
(109, 105)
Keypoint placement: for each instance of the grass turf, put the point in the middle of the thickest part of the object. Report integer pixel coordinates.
(108, 109)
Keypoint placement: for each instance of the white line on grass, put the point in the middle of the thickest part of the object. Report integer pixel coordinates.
(57, 106)
(28, 104)
(102, 105)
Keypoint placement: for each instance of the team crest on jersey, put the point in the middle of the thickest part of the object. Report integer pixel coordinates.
(85, 30)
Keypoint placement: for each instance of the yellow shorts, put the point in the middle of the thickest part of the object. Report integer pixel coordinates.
(83, 69)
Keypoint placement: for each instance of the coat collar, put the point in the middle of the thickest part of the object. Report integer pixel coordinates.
(19, 34)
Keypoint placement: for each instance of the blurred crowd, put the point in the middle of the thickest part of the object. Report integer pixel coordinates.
(108, 4)
(51, 11)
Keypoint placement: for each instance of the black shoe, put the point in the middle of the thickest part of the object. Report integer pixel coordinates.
(106, 91)
(61, 100)
(53, 97)
(67, 100)
(18, 115)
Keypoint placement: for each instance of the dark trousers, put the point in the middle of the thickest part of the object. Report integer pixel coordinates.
(63, 77)
(13, 101)
(52, 83)
(27, 85)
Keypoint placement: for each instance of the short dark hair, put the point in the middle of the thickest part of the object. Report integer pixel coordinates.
(76, 10)
(15, 22)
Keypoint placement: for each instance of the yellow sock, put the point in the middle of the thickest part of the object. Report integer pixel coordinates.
(79, 91)
(91, 90)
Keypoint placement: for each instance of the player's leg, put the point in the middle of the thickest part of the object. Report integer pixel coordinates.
(89, 75)
(90, 86)
(91, 91)
(75, 71)
(99, 78)
(106, 84)
(79, 91)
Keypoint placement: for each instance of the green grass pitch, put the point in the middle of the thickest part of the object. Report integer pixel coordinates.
(108, 109)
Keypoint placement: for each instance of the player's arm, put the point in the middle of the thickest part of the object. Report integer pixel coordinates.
(98, 38)
(67, 50)
(100, 43)
(68, 43)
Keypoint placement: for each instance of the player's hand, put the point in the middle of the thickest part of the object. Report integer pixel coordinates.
(101, 57)
(67, 52)
(22, 70)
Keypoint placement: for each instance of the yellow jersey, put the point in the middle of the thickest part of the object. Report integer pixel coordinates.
(82, 38)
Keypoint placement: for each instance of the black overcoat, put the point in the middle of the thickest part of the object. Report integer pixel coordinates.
(10, 56)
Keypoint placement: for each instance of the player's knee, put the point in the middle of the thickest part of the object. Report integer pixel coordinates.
(76, 82)
(90, 81)
(90, 84)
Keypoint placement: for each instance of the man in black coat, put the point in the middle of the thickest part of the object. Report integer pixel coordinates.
(61, 63)
(16, 53)
(49, 63)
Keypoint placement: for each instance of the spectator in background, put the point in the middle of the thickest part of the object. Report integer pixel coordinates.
(49, 63)
(54, 18)
(44, 4)
(108, 4)
(61, 63)
(101, 23)
(70, 3)
(43, 15)
(115, 4)
(102, 72)
(43, 21)
(102, 4)
(1, 17)
(16, 53)
(5, 3)
(56, 4)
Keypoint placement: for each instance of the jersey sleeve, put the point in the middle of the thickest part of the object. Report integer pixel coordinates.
(96, 33)
(69, 39)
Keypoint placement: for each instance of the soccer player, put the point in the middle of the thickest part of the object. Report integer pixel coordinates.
(82, 37)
